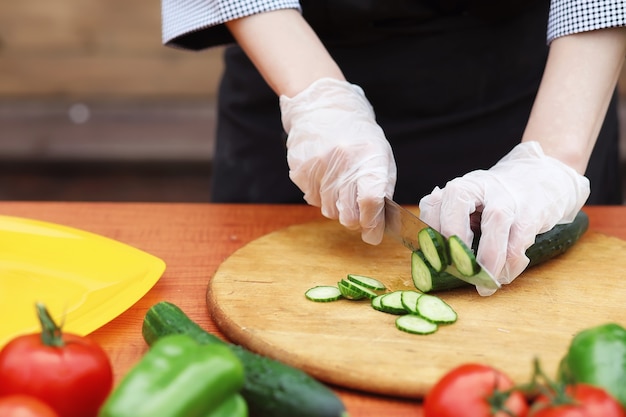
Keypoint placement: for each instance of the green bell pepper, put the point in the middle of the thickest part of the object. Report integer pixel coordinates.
(235, 406)
(178, 377)
(597, 356)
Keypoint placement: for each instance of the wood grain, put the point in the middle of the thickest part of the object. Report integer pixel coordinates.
(256, 298)
(194, 240)
(96, 49)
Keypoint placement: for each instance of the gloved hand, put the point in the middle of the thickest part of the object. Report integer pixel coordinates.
(339, 156)
(524, 194)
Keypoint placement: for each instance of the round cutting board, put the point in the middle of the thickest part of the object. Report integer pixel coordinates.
(256, 298)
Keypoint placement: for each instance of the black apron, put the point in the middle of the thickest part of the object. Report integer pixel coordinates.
(451, 82)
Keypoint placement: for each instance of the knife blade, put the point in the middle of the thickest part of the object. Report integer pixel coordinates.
(403, 226)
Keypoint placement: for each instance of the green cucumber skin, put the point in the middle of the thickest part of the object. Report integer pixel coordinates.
(548, 245)
(557, 240)
(271, 388)
(440, 281)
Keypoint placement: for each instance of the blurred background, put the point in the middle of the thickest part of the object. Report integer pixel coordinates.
(94, 108)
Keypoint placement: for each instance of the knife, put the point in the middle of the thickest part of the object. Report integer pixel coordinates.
(403, 226)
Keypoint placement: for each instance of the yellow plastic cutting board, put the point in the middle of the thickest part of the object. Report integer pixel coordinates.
(84, 279)
(257, 299)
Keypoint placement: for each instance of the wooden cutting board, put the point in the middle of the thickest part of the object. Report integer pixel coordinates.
(256, 298)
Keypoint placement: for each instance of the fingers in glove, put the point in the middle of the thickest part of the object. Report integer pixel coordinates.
(430, 208)
(306, 177)
(372, 208)
(493, 247)
(460, 199)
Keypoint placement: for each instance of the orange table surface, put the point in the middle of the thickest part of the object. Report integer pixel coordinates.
(194, 239)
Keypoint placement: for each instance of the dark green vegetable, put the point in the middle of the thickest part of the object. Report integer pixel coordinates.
(427, 279)
(548, 245)
(271, 388)
(178, 377)
(597, 356)
(434, 247)
(557, 240)
(235, 406)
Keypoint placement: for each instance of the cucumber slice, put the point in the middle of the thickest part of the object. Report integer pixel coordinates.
(367, 282)
(434, 309)
(426, 279)
(364, 291)
(392, 303)
(434, 246)
(409, 300)
(349, 292)
(323, 293)
(414, 324)
(376, 305)
(463, 257)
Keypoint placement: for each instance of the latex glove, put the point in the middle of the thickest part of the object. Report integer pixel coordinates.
(339, 156)
(524, 194)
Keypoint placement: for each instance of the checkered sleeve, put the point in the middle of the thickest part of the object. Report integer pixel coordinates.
(573, 16)
(185, 19)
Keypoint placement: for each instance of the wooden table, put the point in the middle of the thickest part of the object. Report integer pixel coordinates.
(193, 240)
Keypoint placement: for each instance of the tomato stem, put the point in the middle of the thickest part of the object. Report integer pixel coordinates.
(555, 391)
(498, 398)
(50, 331)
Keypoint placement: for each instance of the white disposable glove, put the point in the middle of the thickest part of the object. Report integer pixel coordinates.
(339, 156)
(524, 194)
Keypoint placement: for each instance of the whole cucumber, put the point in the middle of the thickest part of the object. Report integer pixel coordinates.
(557, 240)
(271, 388)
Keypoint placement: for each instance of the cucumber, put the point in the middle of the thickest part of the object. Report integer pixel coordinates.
(412, 323)
(463, 257)
(367, 282)
(354, 291)
(548, 245)
(557, 240)
(376, 305)
(409, 300)
(426, 279)
(271, 388)
(434, 309)
(323, 293)
(392, 303)
(434, 247)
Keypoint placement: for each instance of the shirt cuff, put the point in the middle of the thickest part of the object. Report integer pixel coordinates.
(573, 16)
(182, 17)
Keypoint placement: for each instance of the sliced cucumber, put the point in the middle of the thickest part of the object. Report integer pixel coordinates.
(434, 309)
(358, 288)
(367, 282)
(426, 279)
(392, 303)
(323, 293)
(349, 292)
(415, 324)
(376, 305)
(463, 257)
(434, 247)
(409, 300)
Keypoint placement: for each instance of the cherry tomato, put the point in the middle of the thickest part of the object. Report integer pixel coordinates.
(69, 372)
(585, 401)
(24, 406)
(475, 390)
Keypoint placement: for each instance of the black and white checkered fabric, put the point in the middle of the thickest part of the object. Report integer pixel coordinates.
(574, 16)
(184, 16)
(566, 16)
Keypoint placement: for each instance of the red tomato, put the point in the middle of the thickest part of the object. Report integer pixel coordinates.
(70, 373)
(587, 401)
(24, 406)
(474, 390)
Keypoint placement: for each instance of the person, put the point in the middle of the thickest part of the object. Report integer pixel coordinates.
(462, 105)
